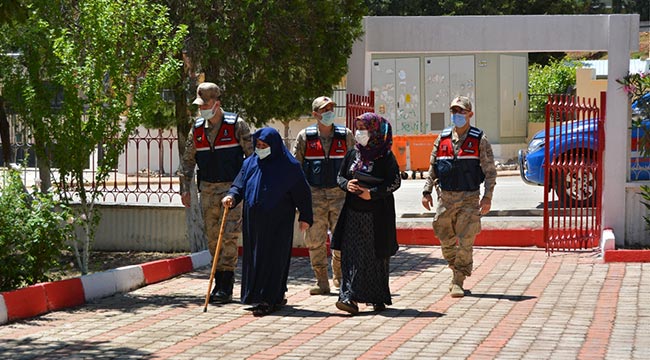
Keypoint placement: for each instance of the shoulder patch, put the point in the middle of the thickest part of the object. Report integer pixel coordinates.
(311, 131)
(475, 133)
(446, 132)
(340, 131)
(199, 122)
(229, 117)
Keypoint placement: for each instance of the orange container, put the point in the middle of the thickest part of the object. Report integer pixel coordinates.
(420, 147)
(399, 149)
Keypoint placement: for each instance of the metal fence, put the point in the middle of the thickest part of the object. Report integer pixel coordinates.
(573, 167)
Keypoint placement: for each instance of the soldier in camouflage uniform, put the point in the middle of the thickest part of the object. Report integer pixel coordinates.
(218, 143)
(320, 149)
(461, 160)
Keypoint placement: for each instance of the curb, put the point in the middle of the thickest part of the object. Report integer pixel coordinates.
(42, 298)
(624, 255)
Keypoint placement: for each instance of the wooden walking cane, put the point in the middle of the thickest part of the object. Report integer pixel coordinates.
(216, 256)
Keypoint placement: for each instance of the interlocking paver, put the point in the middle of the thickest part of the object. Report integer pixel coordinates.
(524, 304)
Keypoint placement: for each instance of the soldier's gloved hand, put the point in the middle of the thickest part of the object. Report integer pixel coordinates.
(227, 201)
(427, 201)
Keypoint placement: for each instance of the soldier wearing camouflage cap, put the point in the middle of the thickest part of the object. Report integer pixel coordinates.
(461, 160)
(320, 149)
(217, 144)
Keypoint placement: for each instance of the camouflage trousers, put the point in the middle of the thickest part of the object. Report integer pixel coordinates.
(212, 210)
(456, 224)
(326, 204)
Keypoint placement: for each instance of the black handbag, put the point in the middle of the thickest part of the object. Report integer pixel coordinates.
(366, 180)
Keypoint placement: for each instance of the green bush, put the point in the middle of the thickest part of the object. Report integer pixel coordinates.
(33, 232)
(558, 77)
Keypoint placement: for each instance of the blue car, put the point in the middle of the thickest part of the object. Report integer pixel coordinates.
(575, 142)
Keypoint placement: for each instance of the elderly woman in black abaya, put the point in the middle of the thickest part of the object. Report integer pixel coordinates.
(272, 185)
(365, 232)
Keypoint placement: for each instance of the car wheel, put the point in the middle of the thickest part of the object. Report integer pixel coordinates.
(404, 175)
(576, 187)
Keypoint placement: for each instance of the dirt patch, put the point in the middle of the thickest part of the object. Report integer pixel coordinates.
(107, 260)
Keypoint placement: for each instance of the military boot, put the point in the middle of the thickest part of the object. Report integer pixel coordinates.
(336, 268)
(215, 289)
(456, 289)
(225, 280)
(322, 283)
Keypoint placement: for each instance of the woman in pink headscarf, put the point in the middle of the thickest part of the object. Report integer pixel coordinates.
(365, 232)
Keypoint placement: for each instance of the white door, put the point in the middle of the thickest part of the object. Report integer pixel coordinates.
(408, 96)
(396, 83)
(436, 88)
(513, 99)
(383, 84)
(445, 78)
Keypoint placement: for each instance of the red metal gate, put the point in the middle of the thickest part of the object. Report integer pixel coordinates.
(574, 144)
(356, 105)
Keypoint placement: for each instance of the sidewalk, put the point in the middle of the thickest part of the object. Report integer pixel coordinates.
(523, 304)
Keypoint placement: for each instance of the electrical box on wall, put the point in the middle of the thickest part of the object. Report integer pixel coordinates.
(446, 77)
(396, 83)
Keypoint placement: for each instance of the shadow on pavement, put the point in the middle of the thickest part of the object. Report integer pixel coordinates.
(30, 348)
(500, 296)
(296, 311)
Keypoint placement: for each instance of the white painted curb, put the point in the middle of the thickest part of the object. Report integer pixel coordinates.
(128, 278)
(99, 285)
(608, 242)
(3, 311)
(201, 259)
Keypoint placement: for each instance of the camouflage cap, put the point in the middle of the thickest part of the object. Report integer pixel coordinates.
(320, 102)
(462, 102)
(205, 92)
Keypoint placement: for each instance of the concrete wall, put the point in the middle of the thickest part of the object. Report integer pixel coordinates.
(588, 86)
(616, 34)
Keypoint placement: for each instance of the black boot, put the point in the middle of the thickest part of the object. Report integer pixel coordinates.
(217, 285)
(224, 290)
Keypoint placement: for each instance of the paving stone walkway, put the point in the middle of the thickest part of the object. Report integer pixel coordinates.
(524, 304)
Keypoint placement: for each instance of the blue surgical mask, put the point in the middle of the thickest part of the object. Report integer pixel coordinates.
(262, 153)
(327, 118)
(362, 137)
(459, 120)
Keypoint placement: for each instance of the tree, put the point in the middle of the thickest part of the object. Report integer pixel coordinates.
(558, 77)
(89, 71)
(10, 12)
(274, 56)
(270, 58)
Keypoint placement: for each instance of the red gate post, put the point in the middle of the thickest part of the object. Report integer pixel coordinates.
(357, 105)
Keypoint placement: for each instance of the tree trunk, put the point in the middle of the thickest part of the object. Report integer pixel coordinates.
(4, 134)
(287, 141)
(195, 226)
(44, 175)
(195, 232)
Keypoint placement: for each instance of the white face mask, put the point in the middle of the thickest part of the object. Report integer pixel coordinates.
(262, 153)
(209, 113)
(362, 137)
(327, 118)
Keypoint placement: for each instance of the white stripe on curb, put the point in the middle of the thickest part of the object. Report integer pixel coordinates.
(128, 278)
(99, 285)
(201, 259)
(3, 311)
